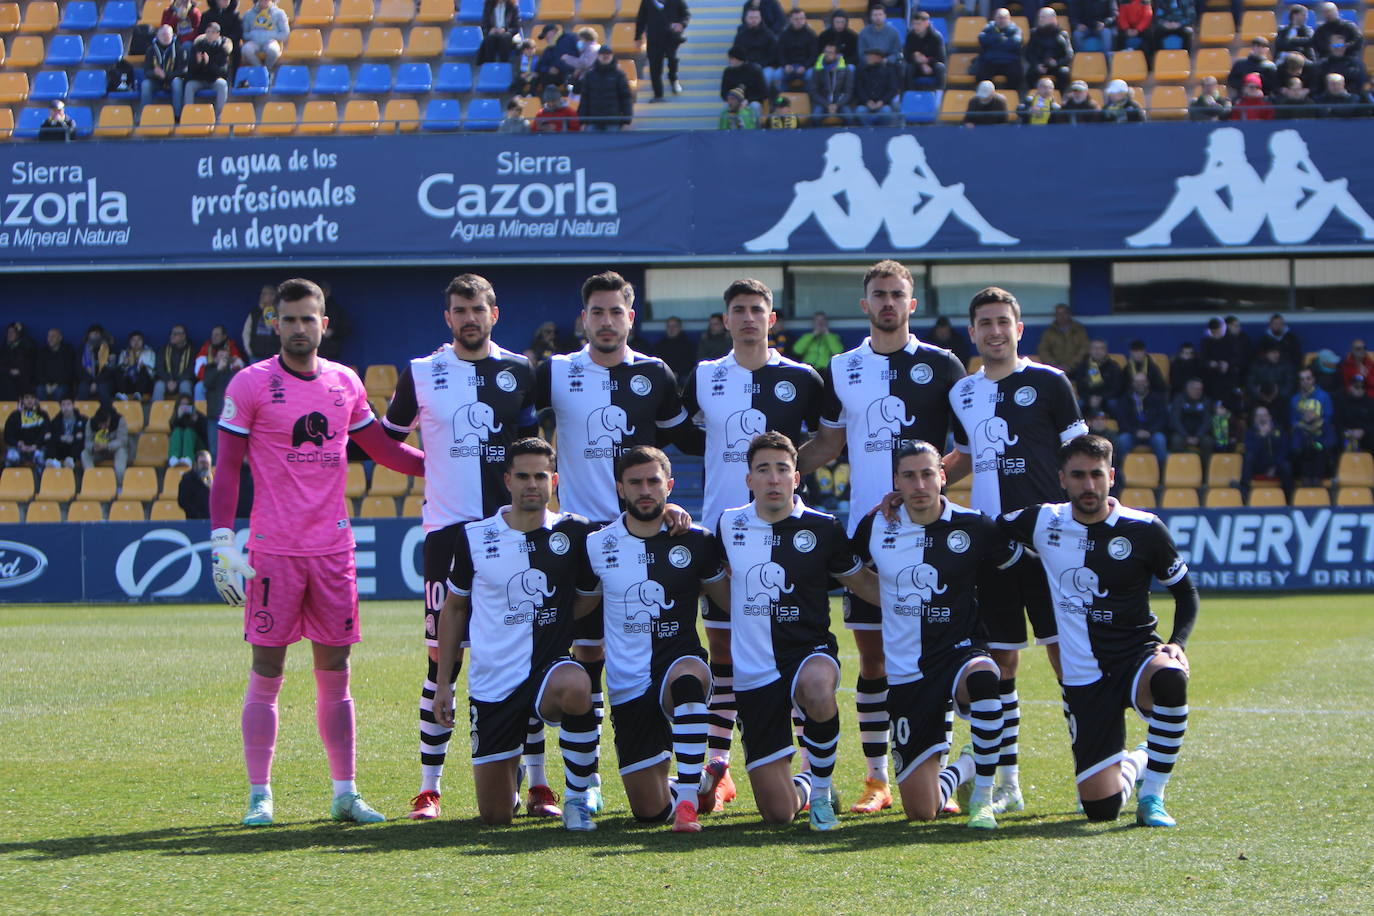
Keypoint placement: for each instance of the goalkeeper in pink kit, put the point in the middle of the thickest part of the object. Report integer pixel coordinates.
(292, 415)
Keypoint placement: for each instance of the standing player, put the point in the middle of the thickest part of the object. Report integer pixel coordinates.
(929, 563)
(746, 392)
(1011, 416)
(888, 392)
(1100, 557)
(513, 584)
(606, 399)
(470, 399)
(656, 670)
(782, 556)
(293, 415)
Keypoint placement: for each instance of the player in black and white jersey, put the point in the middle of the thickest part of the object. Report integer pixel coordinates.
(606, 398)
(930, 561)
(748, 391)
(1010, 417)
(888, 392)
(1100, 558)
(513, 585)
(782, 556)
(656, 671)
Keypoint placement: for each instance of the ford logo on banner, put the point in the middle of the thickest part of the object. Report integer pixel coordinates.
(183, 552)
(20, 564)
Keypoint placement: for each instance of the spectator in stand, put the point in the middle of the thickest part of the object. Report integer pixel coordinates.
(514, 122)
(222, 366)
(54, 368)
(1095, 415)
(663, 26)
(1144, 416)
(782, 116)
(1172, 19)
(881, 36)
(26, 433)
(986, 107)
(1119, 107)
(770, 14)
(1224, 431)
(715, 341)
(164, 69)
(1266, 395)
(1294, 64)
(107, 439)
(1064, 343)
(1332, 26)
(265, 30)
(1314, 431)
(924, 53)
(832, 86)
(758, 44)
(1211, 103)
(1097, 373)
(98, 374)
(208, 66)
(224, 13)
(1039, 107)
(876, 89)
(1133, 20)
(737, 115)
(1294, 35)
(137, 370)
(1266, 453)
(1048, 52)
(1337, 102)
(193, 491)
(1138, 362)
(184, 20)
(219, 340)
(676, 348)
(1190, 421)
(1241, 349)
(67, 435)
(188, 434)
(551, 69)
(1252, 104)
(525, 81)
(797, 53)
(340, 326)
(260, 339)
(1341, 61)
(500, 31)
(607, 103)
(1293, 101)
(1271, 369)
(845, 40)
(1220, 374)
(1357, 361)
(57, 127)
(746, 76)
(1092, 19)
(16, 362)
(543, 344)
(1257, 62)
(1183, 366)
(557, 116)
(1078, 107)
(942, 334)
(1000, 51)
(1355, 416)
(175, 372)
(585, 59)
(818, 346)
(1279, 336)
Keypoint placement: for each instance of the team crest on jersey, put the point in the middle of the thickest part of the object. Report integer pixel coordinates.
(785, 391)
(229, 409)
(575, 373)
(1025, 396)
(641, 385)
(804, 541)
(921, 373)
(680, 557)
(277, 388)
(609, 543)
(559, 543)
(958, 542)
(1118, 548)
(505, 381)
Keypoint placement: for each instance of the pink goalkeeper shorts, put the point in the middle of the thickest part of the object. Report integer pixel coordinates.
(294, 597)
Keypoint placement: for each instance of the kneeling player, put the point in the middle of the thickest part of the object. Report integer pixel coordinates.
(1099, 558)
(656, 671)
(928, 562)
(514, 573)
(781, 556)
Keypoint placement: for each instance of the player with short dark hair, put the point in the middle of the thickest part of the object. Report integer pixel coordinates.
(514, 582)
(656, 671)
(470, 399)
(888, 392)
(293, 414)
(782, 556)
(1010, 417)
(1100, 558)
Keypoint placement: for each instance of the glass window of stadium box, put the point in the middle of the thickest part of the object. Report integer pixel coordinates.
(837, 288)
(1333, 284)
(694, 293)
(1038, 287)
(1209, 286)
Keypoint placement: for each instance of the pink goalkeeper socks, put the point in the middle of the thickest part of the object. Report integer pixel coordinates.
(260, 726)
(334, 716)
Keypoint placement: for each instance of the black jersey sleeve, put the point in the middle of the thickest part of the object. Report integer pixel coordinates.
(670, 412)
(529, 410)
(710, 559)
(832, 409)
(999, 548)
(587, 581)
(815, 400)
(1185, 610)
(1068, 419)
(863, 536)
(956, 428)
(841, 559)
(1020, 525)
(1165, 563)
(460, 572)
(543, 385)
(689, 396)
(404, 410)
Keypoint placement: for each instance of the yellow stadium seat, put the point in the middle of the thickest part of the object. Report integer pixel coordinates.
(9, 17)
(384, 44)
(83, 510)
(395, 12)
(303, 45)
(1141, 469)
(380, 380)
(424, 41)
(9, 512)
(26, 52)
(388, 483)
(16, 484)
(435, 11)
(629, 9)
(1161, 360)
(166, 510)
(356, 486)
(529, 107)
(87, 408)
(801, 103)
(1173, 67)
(417, 484)
(1355, 496)
(556, 10)
(1368, 28)
(14, 87)
(377, 507)
(57, 485)
(1223, 469)
(8, 407)
(238, 119)
(412, 507)
(966, 29)
(1368, 48)
(98, 484)
(1311, 496)
(1179, 498)
(1223, 498)
(1267, 497)
(1212, 62)
(49, 407)
(958, 72)
(1138, 497)
(278, 119)
(151, 451)
(41, 17)
(314, 14)
(354, 12)
(152, 12)
(631, 72)
(132, 411)
(1129, 66)
(1183, 470)
(319, 117)
(344, 44)
(126, 510)
(197, 120)
(1217, 30)
(140, 483)
(596, 9)
(286, 6)
(400, 115)
(1258, 24)
(154, 121)
(171, 482)
(1022, 23)
(954, 105)
(378, 404)
(6, 117)
(623, 39)
(816, 8)
(1355, 469)
(160, 412)
(360, 117)
(1090, 67)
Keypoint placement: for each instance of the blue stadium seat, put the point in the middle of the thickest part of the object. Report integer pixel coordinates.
(292, 79)
(442, 114)
(105, 48)
(920, 107)
(463, 41)
(26, 128)
(454, 78)
(119, 14)
(1351, 16)
(79, 16)
(471, 11)
(1170, 43)
(529, 9)
(89, 84)
(250, 81)
(49, 85)
(1093, 43)
(331, 79)
(900, 26)
(65, 51)
(414, 77)
(937, 6)
(84, 118)
(484, 114)
(373, 79)
(941, 25)
(494, 77)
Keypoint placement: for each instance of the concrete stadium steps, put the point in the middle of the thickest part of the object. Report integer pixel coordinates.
(710, 33)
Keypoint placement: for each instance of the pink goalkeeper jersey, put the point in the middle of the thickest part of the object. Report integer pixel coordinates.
(297, 430)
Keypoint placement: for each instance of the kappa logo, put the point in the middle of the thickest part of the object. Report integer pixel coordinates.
(313, 428)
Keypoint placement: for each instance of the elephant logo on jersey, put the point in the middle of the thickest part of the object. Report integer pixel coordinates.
(992, 435)
(920, 582)
(526, 591)
(743, 425)
(885, 417)
(313, 428)
(766, 580)
(476, 421)
(609, 422)
(1079, 587)
(650, 598)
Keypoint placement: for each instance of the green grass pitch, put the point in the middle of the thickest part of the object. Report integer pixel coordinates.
(121, 784)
